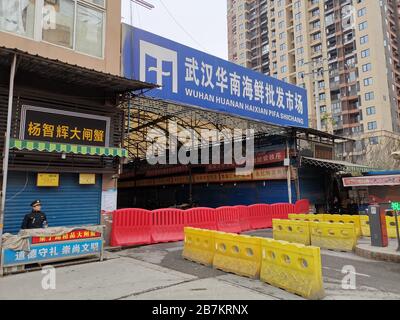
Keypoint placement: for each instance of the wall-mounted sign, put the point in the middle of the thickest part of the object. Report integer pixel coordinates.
(87, 179)
(194, 78)
(48, 180)
(41, 124)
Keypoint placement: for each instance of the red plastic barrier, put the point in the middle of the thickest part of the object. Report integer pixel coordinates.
(260, 216)
(168, 225)
(244, 217)
(202, 218)
(228, 220)
(131, 227)
(302, 206)
(282, 210)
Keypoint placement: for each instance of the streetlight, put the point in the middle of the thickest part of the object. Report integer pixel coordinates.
(141, 3)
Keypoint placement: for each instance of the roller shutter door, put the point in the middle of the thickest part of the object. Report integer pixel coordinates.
(70, 204)
(247, 193)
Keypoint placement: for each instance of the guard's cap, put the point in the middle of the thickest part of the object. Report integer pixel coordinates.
(36, 203)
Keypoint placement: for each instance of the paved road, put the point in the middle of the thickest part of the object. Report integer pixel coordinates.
(158, 272)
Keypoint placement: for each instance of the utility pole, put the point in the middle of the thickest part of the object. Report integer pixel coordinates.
(317, 69)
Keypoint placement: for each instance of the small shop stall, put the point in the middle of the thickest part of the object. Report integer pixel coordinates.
(376, 187)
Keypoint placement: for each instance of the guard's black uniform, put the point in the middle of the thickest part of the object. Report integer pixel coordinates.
(34, 220)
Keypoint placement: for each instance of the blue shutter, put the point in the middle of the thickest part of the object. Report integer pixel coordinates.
(244, 193)
(70, 204)
(312, 185)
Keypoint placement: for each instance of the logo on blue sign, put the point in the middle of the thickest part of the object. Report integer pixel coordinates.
(191, 77)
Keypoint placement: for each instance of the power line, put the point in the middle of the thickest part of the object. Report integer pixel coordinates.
(180, 26)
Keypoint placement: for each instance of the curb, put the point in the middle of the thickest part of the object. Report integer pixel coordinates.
(379, 256)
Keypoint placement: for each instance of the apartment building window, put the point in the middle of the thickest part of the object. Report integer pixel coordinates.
(281, 25)
(298, 27)
(317, 48)
(315, 13)
(316, 24)
(365, 53)
(297, 16)
(300, 50)
(284, 69)
(280, 13)
(369, 96)
(299, 39)
(283, 58)
(368, 82)
(362, 12)
(372, 125)
(282, 47)
(18, 17)
(367, 67)
(364, 39)
(74, 24)
(316, 36)
(374, 140)
(297, 5)
(363, 25)
(371, 111)
(300, 63)
(323, 109)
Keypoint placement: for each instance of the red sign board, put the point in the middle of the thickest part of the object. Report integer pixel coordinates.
(393, 180)
(74, 235)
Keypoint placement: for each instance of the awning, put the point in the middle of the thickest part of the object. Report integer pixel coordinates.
(70, 74)
(335, 165)
(66, 148)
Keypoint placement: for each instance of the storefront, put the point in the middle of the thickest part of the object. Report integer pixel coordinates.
(375, 187)
(66, 139)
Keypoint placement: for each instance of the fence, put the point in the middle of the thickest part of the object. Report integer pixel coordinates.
(133, 227)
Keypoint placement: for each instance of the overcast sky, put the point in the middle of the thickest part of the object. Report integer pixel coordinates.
(204, 22)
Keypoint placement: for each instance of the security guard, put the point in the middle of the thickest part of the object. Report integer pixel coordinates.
(36, 219)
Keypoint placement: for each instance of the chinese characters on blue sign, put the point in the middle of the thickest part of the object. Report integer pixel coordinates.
(53, 251)
(195, 78)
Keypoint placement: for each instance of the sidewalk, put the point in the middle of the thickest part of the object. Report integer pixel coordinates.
(390, 254)
(124, 278)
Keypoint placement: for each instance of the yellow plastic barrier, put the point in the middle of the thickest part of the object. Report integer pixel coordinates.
(199, 246)
(338, 218)
(334, 236)
(237, 254)
(292, 267)
(292, 231)
(365, 228)
(391, 226)
(306, 217)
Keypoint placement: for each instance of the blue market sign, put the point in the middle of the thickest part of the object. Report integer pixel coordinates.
(194, 78)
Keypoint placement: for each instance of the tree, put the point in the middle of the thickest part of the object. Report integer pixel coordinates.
(379, 156)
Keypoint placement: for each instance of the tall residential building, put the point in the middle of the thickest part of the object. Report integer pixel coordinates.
(344, 52)
(248, 34)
